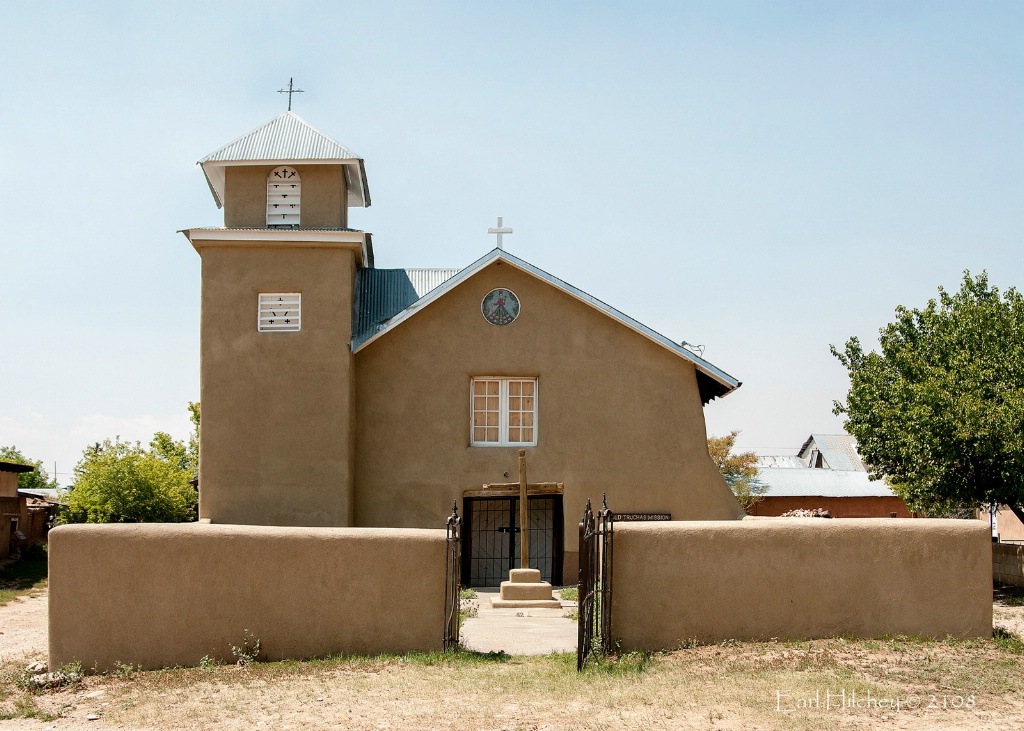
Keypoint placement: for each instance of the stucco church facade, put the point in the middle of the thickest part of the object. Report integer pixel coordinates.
(337, 394)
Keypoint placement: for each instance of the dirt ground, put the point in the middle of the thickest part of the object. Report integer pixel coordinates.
(23, 628)
(826, 684)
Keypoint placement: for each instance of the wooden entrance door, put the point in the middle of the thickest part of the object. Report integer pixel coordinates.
(491, 538)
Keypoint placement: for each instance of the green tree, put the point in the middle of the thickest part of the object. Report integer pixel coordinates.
(738, 469)
(939, 411)
(122, 482)
(37, 480)
(184, 454)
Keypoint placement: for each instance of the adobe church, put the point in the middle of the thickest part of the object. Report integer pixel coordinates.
(337, 394)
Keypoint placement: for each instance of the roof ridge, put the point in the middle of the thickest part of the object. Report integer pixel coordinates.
(241, 137)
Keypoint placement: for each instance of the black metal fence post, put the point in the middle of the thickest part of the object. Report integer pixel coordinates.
(453, 583)
(594, 592)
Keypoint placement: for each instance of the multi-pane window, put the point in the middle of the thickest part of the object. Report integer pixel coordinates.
(284, 197)
(504, 411)
(279, 312)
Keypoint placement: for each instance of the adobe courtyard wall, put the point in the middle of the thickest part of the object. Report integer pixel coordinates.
(799, 578)
(159, 595)
(616, 412)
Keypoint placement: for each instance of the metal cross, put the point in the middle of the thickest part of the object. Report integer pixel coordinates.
(499, 231)
(289, 91)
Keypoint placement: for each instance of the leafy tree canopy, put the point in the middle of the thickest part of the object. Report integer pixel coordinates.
(37, 480)
(940, 410)
(738, 469)
(184, 454)
(124, 482)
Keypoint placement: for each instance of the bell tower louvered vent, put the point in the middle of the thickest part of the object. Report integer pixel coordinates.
(279, 312)
(284, 197)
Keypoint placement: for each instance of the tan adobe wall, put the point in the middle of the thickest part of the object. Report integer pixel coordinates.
(161, 595)
(1008, 563)
(324, 196)
(1010, 527)
(799, 578)
(839, 507)
(616, 412)
(277, 421)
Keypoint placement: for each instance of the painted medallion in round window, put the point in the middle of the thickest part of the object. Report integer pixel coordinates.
(500, 306)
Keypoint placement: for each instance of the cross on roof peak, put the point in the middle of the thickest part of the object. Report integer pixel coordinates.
(499, 231)
(289, 91)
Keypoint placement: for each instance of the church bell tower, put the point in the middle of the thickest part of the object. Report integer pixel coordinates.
(276, 366)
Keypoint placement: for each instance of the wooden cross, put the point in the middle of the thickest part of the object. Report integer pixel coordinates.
(292, 90)
(524, 538)
(499, 231)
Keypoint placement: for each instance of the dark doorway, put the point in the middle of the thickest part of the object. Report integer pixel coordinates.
(491, 538)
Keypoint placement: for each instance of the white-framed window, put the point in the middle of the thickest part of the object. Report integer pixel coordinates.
(503, 411)
(284, 197)
(279, 312)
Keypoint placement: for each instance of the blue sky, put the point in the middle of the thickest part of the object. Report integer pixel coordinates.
(761, 178)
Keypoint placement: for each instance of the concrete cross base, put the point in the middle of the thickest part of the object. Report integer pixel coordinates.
(525, 589)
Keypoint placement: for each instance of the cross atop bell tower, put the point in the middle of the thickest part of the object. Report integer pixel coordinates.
(289, 91)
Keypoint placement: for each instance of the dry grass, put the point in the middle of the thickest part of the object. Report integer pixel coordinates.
(714, 687)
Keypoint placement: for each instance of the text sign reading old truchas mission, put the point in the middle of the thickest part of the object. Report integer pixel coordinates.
(639, 517)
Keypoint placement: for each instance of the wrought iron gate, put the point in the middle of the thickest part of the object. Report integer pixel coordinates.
(453, 584)
(492, 538)
(595, 583)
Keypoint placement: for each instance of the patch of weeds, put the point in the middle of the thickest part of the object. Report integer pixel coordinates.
(630, 663)
(1007, 641)
(248, 652)
(574, 615)
(67, 675)
(691, 644)
(569, 594)
(124, 670)
(467, 609)
(520, 614)
(208, 663)
(467, 593)
(27, 707)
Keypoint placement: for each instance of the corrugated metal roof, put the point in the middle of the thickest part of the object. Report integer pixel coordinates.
(808, 482)
(838, 450)
(383, 293)
(285, 137)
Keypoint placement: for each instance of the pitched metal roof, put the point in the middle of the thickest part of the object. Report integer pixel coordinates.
(838, 450)
(810, 482)
(712, 381)
(287, 138)
(383, 293)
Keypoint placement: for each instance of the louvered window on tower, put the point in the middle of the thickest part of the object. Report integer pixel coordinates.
(284, 197)
(279, 312)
